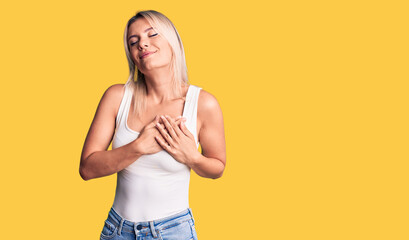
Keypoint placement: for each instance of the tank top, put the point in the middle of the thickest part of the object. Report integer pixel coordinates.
(155, 185)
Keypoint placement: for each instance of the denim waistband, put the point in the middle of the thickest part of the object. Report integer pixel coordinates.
(146, 226)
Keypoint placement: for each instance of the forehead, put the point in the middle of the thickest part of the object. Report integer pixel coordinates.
(139, 26)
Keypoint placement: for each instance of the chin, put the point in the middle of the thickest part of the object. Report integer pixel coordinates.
(153, 66)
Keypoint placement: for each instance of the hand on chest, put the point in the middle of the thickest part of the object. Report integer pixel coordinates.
(173, 109)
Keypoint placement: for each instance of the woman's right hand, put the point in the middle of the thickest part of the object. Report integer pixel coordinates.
(146, 142)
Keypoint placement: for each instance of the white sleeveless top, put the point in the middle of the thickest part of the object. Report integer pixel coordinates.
(155, 185)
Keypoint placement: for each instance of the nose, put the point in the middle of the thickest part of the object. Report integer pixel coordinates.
(143, 43)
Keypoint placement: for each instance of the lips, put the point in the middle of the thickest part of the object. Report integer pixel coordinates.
(145, 54)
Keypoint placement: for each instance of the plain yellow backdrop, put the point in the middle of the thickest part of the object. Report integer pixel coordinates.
(314, 97)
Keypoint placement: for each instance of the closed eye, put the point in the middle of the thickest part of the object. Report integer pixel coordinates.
(138, 41)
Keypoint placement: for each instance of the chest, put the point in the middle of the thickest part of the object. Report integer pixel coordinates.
(172, 108)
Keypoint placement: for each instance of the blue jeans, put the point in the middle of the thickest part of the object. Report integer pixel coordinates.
(179, 226)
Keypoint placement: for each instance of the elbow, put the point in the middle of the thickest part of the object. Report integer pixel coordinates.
(219, 175)
(84, 174)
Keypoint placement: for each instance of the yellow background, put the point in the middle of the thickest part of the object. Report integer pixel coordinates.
(314, 96)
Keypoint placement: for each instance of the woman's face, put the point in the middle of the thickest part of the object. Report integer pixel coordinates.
(143, 39)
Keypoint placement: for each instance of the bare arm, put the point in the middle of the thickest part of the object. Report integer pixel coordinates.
(104, 163)
(96, 161)
(212, 161)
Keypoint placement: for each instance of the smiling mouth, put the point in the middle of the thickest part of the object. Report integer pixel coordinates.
(147, 55)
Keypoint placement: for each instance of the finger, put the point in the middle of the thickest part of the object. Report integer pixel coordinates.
(168, 124)
(173, 122)
(158, 136)
(177, 123)
(175, 126)
(162, 143)
(154, 121)
(179, 120)
(185, 130)
(164, 133)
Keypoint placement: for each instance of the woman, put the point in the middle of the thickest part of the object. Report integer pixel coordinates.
(156, 124)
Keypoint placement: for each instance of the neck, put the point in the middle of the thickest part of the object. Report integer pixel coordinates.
(159, 85)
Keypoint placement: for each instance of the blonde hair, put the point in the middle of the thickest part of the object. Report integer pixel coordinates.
(178, 63)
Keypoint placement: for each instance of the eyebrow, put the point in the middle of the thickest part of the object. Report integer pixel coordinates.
(143, 31)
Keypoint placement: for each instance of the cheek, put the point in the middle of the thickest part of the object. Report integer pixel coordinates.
(167, 53)
(135, 57)
(133, 53)
(164, 54)
(166, 49)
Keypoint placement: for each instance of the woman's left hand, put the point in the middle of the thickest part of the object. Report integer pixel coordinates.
(177, 140)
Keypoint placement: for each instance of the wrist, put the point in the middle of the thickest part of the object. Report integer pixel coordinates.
(136, 148)
(194, 160)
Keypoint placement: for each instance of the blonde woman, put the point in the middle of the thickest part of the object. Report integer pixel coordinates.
(155, 123)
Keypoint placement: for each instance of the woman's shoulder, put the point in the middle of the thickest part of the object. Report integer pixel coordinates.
(113, 96)
(210, 118)
(207, 104)
(116, 89)
(207, 101)
(115, 92)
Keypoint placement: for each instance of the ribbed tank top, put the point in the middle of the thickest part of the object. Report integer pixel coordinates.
(155, 185)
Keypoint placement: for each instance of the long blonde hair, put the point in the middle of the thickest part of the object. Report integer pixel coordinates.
(178, 63)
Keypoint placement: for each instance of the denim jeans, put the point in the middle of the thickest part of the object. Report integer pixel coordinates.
(179, 226)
